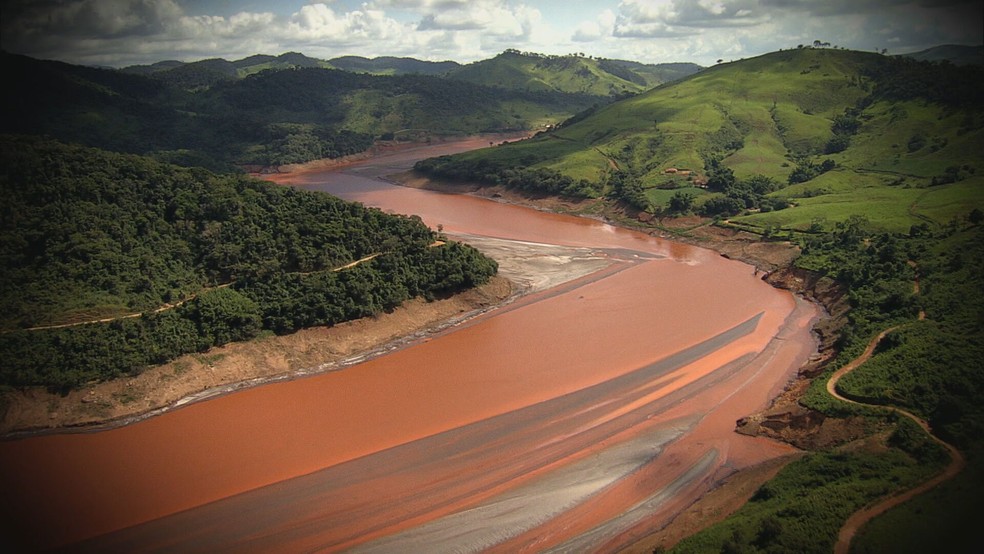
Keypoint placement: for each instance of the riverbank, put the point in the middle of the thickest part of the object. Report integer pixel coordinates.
(731, 243)
(523, 268)
(609, 318)
(786, 420)
(240, 365)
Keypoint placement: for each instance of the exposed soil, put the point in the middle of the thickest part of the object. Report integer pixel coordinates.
(239, 365)
(863, 516)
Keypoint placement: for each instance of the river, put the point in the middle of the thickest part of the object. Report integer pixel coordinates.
(578, 417)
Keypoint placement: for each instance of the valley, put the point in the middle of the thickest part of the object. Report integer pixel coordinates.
(682, 253)
(484, 390)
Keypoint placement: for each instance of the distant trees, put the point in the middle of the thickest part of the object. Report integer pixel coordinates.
(808, 170)
(904, 78)
(483, 171)
(739, 195)
(627, 187)
(270, 118)
(681, 202)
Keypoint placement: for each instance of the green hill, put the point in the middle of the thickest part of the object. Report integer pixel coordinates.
(599, 77)
(872, 166)
(902, 137)
(194, 76)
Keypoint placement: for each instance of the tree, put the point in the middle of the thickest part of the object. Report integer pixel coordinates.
(225, 315)
(681, 202)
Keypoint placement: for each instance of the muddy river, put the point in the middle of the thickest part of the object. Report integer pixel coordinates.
(577, 417)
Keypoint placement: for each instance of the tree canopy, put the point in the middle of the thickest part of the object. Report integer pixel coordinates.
(87, 235)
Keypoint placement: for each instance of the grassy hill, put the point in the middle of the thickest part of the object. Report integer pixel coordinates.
(872, 166)
(599, 77)
(890, 139)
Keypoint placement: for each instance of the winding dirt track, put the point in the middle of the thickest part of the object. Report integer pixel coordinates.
(863, 516)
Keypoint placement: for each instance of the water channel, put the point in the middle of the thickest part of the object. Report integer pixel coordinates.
(578, 417)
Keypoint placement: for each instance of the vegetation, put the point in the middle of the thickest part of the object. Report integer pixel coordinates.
(803, 507)
(291, 112)
(483, 171)
(871, 165)
(208, 259)
(834, 128)
(573, 73)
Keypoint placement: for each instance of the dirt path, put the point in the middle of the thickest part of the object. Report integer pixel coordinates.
(863, 516)
(164, 308)
(172, 305)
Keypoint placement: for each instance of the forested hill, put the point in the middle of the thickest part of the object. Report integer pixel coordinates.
(273, 117)
(86, 235)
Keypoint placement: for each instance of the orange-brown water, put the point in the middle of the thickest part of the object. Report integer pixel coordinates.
(576, 417)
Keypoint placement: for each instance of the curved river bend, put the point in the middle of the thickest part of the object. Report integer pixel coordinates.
(576, 418)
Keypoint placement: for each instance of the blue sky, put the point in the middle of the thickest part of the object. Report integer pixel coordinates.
(125, 32)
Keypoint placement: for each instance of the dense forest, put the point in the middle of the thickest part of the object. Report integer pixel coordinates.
(541, 181)
(86, 234)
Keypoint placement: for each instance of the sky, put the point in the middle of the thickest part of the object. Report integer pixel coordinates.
(118, 33)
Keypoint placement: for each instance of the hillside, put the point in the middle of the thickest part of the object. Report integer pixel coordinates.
(90, 235)
(887, 129)
(206, 73)
(869, 167)
(576, 74)
(271, 117)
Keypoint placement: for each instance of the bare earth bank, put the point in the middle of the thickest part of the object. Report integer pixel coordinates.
(233, 366)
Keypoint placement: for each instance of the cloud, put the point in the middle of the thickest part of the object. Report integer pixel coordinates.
(319, 23)
(125, 32)
(650, 18)
(491, 17)
(589, 31)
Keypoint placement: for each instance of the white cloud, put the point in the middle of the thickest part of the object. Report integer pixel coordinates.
(318, 22)
(123, 32)
(603, 26)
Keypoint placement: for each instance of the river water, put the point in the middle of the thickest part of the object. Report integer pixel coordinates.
(579, 417)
